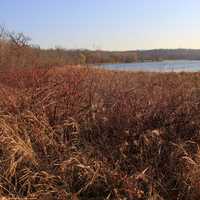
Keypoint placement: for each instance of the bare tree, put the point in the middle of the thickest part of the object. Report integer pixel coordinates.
(19, 39)
(2, 32)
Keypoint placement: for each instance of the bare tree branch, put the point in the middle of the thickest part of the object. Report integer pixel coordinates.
(19, 39)
(2, 32)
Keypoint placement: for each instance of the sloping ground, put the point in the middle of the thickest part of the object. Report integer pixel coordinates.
(77, 133)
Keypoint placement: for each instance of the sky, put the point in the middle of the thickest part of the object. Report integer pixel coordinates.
(105, 24)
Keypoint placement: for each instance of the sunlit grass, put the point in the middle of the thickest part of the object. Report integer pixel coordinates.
(81, 133)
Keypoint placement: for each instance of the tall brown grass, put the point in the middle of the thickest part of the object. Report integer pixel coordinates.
(79, 133)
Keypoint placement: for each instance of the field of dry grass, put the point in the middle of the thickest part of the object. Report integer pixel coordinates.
(78, 133)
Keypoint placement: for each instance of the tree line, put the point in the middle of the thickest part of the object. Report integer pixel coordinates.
(16, 50)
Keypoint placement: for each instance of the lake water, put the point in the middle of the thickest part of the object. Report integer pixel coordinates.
(163, 66)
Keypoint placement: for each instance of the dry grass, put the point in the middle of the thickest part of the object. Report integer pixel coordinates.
(78, 133)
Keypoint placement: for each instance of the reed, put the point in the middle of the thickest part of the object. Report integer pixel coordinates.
(82, 133)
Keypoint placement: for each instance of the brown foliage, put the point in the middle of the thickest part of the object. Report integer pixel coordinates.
(80, 133)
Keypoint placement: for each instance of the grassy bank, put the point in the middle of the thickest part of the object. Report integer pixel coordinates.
(78, 133)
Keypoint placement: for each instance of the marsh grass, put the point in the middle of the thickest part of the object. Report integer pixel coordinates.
(81, 133)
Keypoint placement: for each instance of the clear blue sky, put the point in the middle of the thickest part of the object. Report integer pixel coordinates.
(105, 24)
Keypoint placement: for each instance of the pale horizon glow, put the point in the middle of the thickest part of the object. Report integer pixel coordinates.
(105, 24)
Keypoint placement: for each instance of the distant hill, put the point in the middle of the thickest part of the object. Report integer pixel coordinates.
(99, 56)
(169, 54)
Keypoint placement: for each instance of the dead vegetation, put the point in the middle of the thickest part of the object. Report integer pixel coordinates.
(79, 133)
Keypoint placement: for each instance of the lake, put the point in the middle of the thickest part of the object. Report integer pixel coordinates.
(161, 66)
